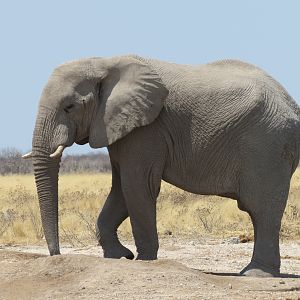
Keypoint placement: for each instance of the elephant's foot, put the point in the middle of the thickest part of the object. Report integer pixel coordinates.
(255, 269)
(147, 256)
(118, 252)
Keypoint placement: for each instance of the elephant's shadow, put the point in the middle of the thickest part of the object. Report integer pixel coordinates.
(282, 275)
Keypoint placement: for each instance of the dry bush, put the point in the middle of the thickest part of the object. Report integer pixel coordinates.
(199, 215)
(7, 218)
(81, 197)
(11, 162)
(92, 162)
(208, 217)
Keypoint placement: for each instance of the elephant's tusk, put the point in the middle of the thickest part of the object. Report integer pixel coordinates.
(58, 152)
(27, 155)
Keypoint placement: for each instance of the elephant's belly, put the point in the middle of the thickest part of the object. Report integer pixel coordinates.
(202, 183)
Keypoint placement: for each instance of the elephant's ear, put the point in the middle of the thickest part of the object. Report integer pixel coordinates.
(131, 95)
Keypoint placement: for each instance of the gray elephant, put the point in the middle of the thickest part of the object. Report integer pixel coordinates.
(225, 128)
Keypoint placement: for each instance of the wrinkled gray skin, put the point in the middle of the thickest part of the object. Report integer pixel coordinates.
(225, 128)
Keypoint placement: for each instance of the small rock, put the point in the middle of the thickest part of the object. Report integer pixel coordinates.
(282, 282)
(230, 286)
(234, 240)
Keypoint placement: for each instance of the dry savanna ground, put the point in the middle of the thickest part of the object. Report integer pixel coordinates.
(197, 233)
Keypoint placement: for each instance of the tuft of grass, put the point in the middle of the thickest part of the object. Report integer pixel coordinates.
(81, 196)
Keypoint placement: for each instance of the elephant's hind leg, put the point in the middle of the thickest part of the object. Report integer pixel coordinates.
(265, 260)
(264, 191)
(113, 213)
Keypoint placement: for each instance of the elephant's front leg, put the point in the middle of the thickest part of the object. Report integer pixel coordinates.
(140, 189)
(114, 212)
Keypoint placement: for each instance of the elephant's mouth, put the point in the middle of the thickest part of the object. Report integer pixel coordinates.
(83, 141)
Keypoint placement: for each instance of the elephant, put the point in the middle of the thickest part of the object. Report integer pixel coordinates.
(224, 128)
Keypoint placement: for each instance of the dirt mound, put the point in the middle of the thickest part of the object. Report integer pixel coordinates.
(36, 276)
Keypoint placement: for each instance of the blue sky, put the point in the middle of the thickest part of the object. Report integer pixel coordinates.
(37, 35)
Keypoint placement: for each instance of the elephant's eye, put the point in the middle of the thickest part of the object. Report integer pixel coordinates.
(68, 108)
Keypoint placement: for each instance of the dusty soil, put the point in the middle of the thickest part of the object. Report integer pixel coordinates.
(186, 269)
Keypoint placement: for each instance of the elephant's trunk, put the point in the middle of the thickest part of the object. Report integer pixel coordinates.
(46, 178)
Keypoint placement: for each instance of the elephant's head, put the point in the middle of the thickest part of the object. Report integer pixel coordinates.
(97, 100)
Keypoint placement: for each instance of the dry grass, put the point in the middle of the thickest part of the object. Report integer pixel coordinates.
(82, 196)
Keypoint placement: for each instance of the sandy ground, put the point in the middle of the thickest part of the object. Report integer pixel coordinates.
(186, 269)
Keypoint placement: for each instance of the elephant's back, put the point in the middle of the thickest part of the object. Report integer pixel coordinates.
(227, 85)
(223, 96)
(197, 82)
(213, 110)
(257, 75)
